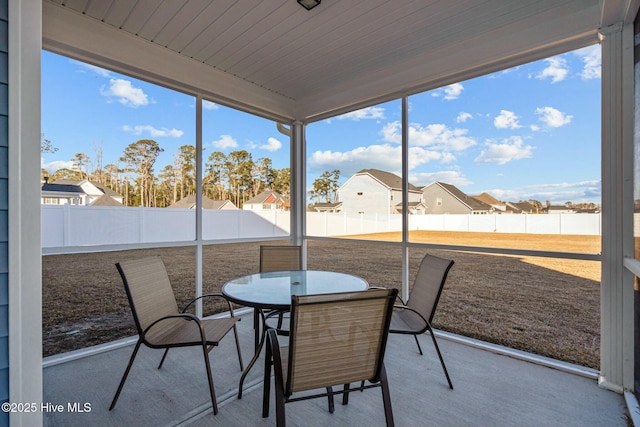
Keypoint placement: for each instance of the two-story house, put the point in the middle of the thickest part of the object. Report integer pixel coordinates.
(376, 191)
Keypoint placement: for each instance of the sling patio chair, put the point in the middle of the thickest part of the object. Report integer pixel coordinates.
(279, 258)
(161, 325)
(334, 339)
(415, 316)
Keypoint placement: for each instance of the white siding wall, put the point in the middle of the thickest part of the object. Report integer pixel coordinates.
(374, 197)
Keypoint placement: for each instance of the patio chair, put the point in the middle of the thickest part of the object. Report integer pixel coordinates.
(414, 317)
(334, 339)
(279, 258)
(161, 325)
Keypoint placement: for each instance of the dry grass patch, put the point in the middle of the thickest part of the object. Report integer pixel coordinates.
(541, 305)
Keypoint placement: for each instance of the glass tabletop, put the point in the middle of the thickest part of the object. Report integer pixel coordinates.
(274, 289)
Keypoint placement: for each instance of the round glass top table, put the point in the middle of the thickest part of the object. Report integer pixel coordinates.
(273, 290)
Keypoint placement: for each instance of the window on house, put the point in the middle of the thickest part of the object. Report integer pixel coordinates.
(438, 201)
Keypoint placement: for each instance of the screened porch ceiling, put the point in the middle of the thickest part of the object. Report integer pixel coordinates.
(278, 60)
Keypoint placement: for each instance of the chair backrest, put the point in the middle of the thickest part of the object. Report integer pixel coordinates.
(337, 338)
(428, 284)
(148, 289)
(280, 258)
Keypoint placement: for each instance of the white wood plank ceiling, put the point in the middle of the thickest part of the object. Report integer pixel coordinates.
(278, 59)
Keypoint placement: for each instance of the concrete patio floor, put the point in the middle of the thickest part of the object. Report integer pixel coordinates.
(491, 389)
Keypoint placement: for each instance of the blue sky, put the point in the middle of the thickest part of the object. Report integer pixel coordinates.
(531, 132)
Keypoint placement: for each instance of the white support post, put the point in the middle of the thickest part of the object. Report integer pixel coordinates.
(298, 187)
(199, 211)
(616, 300)
(25, 265)
(405, 197)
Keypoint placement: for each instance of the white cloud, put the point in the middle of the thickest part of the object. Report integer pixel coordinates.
(463, 117)
(592, 58)
(53, 166)
(552, 117)
(384, 157)
(369, 113)
(391, 132)
(153, 132)
(272, 145)
(125, 92)
(225, 141)
(506, 120)
(556, 70)
(559, 193)
(451, 92)
(208, 105)
(511, 149)
(448, 177)
(435, 136)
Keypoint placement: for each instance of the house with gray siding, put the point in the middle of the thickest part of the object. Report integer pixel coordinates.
(441, 198)
(375, 191)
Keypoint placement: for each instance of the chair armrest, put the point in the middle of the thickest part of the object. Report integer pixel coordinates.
(404, 307)
(397, 296)
(216, 295)
(186, 316)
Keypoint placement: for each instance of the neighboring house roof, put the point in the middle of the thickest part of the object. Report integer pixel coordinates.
(524, 207)
(93, 193)
(390, 180)
(413, 207)
(105, 200)
(325, 207)
(472, 203)
(265, 197)
(103, 188)
(62, 188)
(489, 199)
(189, 202)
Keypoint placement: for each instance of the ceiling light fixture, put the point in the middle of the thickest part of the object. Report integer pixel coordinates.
(309, 4)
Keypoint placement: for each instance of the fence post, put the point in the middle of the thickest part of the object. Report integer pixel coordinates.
(140, 224)
(66, 225)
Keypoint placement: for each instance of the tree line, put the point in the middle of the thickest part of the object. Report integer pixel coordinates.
(235, 176)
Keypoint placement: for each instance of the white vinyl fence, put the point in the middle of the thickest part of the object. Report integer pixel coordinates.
(68, 225)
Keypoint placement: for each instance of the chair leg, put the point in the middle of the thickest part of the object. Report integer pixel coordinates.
(435, 344)
(266, 384)
(235, 333)
(330, 397)
(166, 350)
(345, 395)
(386, 398)
(126, 373)
(418, 344)
(280, 414)
(207, 364)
